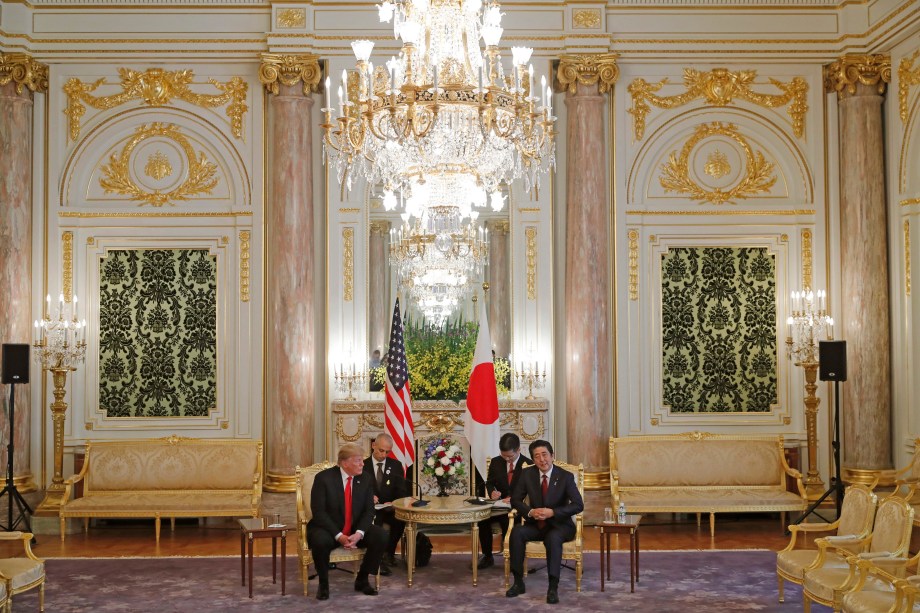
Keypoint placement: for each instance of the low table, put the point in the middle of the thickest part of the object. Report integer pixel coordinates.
(440, 510)
(257, 528)
(629, 526)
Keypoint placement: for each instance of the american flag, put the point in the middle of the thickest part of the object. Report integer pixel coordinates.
(399, 401)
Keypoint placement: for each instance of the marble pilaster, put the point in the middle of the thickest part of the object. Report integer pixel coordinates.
(290, 285)
(588, 368)
(499, 289)
(859, 81)
(20, 77)
(378, 299)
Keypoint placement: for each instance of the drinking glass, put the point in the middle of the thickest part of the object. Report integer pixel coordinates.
(608, 515)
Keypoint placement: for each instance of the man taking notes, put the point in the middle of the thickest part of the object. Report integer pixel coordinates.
(386, 474)
(552, 499)
(504, 473)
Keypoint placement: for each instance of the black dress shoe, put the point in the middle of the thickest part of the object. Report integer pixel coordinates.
(323, 592)
(516, 589)
(485, 562)
(552, 597)
(385, 570)
(365, 588)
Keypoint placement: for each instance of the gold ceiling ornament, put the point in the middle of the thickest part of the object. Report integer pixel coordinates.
(290, 70)
(758, 177)
(907, 78)
(586, 18)
(291, 18)
(158, 166)
(24, 71)
(589, 69)
(717, 165)
(117, 174)
(156, 87)
(855, 69)
(719, 87)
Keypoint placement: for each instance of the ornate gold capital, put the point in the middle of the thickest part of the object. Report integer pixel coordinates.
(289, 70)
(857, 69)
(24, 72)
(599, 68)
(380, 227)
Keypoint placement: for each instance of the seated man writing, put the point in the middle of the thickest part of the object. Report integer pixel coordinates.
(504, 473)
(547, 497)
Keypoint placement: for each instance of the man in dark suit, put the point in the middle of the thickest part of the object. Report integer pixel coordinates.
(504, 473)
(547, 497)
(387, 476)
(342, 503)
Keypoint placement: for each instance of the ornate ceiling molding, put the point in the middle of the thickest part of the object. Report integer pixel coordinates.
(156, 87)
(857, 69)
(590, 69)
(289, 70)
(907, 78)
(24, 71)
(719, 87)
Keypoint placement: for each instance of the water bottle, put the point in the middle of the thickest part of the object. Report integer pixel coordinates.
(621, 513)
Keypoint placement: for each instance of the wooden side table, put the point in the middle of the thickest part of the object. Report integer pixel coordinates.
(628, 526)
(252, 528)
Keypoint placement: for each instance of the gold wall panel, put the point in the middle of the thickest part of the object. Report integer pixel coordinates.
(245, 236)
(156, 87)
(633, 237)
(586, 18)
(807, 267)
(348, 262)
(907, 257)
(719, 87)
(288, 19)
(531, 254)
(67, 261)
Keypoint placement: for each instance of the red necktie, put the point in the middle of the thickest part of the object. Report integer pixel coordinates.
(347, 529)
(510, 472)
(544, 487)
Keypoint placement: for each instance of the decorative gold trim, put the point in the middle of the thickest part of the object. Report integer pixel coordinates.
(25, 483)
(633, 237)
(289, 70)
(90, 240)
(807, 279)
(289, 19)
(24, 71)
(843, 75)
(794, 212)
(380, 227)
(244, 265)
(588, 69)
(348, 262)
(909, 201)
(531, 254)
(907, 78)
(156, 87)
(597, 481)
(67, 265)
(719, 87)
(529, 209)
(758, 177)
(866, 476)
(279, 483)
(117, 174)
(350, 210)
(586, 19)
(787, 420)
(907, 257)
(653, 421)
(81, 215)
(88, 425)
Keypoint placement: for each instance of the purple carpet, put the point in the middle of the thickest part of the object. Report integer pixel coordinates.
(684, 581)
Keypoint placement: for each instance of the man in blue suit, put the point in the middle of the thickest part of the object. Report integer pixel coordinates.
(547, 497)
(342, 502)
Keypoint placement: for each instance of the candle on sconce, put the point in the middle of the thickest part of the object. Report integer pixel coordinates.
(830, 328)
(789, 328)
(328, 94)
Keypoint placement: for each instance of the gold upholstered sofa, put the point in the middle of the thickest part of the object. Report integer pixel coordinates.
(699, 472)
(167, 477)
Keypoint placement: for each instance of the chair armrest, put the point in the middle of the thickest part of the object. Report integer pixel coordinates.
(507, 538)
(26, 538)
(796, 529)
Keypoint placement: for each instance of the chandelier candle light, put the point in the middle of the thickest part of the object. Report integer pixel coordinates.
(529, 376)
(60, 346)
(346, 381)
(805, 328)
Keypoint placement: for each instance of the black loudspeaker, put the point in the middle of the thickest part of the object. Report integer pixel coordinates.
(15, 363)
(832, 356)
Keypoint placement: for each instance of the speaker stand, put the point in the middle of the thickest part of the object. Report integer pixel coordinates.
(836, 487)
(23, 508)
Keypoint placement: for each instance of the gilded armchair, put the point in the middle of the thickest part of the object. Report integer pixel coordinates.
(855, 521)
(882, 587)
(24, 573)
(834, 571)
(304, 479)
(907, 479)
(571, 550)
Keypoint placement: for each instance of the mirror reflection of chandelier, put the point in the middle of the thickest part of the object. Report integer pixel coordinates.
(443, 106)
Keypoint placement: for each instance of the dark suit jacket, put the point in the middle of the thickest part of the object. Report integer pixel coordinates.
(327, 501)
(562, 496)
(498, 475)
(394, 483)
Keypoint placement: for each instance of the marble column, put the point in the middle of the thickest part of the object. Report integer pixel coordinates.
(588, 308)
(499, 289)
(378, 300)
(20, 77)
(860, 82)
(290, 335)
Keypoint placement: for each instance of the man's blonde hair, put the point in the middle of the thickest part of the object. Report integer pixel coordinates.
(349, 450)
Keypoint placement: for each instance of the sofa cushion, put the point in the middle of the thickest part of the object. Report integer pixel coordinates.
(706, 500)
(163, 502)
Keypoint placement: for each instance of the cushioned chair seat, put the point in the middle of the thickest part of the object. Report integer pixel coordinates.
(21, 571)
(875, 597)
(535, 549)
(163, 502)
(821, 581)
(704, 500)
(794, 562)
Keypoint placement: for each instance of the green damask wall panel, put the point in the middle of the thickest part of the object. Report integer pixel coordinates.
(718, 329)
(158, 333)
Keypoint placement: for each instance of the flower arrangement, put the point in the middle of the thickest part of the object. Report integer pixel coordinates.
(443, 461)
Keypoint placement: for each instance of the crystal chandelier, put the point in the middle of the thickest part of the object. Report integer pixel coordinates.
(807, 326)
(443, 106)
